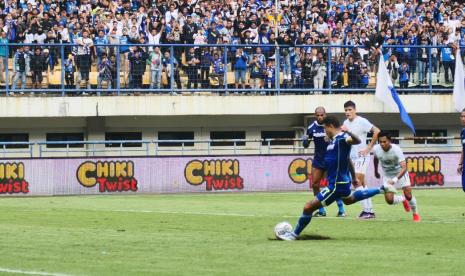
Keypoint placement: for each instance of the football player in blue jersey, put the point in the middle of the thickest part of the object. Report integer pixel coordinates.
(316, 131)
(337, 163)
(462, 140)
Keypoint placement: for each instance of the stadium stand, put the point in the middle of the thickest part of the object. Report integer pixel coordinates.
(318, 45)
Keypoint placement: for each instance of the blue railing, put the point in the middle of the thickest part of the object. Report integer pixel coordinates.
(42, 149)
(175, 75)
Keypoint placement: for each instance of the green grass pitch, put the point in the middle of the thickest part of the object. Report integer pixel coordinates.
(227, 234)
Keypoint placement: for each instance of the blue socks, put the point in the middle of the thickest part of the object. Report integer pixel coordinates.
(340, 206)
(322, 210)
(364, 194)
(303, 221)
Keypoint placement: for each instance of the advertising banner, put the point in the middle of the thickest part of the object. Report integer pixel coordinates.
(76, 176)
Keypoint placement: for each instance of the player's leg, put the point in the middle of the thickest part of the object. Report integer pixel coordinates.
(392, 198)
(366, 204)
(317, 176)
(360, 171)
(324, 198)
(412, 202)
(361, 195)
(340, 206)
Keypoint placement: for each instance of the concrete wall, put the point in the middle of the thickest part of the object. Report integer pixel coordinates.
(195, 105)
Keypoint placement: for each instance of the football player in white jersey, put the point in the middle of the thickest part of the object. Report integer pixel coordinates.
(360, 154)
(395, 172)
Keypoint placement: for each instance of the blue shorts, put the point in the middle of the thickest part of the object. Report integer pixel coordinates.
(334, 191)
(319, 164)
(239, 75)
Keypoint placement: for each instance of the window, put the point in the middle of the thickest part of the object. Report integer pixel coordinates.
(175, 135)
(52, 137)
(392, 132)
(431, 133)
(123, 136)
(227, 135)
(14, 137)
(278, 135)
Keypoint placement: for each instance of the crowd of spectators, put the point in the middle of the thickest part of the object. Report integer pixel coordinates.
(295, 25)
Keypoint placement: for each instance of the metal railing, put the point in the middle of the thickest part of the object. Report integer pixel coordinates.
(218, 71)
(43, 149)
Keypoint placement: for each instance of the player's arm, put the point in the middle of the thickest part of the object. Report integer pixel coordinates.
(373, 140)
(403, 170)
(306, 139)
(352, 139)
(376, 162)
(355, 182)
(352, 169)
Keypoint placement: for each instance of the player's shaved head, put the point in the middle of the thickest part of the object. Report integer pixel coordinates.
(320, 109)
(320, 114)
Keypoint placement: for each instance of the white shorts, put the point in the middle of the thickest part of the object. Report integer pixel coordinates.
(361, 164)
(403, 182)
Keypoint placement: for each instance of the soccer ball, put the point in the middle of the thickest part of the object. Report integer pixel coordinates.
(282, 228)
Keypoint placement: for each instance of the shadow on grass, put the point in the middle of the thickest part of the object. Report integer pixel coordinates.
(307, 237)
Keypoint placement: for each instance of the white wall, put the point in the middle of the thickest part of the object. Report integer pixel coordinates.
(195, 105)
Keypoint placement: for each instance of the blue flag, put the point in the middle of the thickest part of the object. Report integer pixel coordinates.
(386, 92)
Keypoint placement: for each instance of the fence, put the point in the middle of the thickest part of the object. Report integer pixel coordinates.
(43, 149)
(111, 69)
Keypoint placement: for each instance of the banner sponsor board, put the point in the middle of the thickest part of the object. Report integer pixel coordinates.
(75, 176)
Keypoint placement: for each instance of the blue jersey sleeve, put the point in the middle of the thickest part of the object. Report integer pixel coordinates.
(462, 136)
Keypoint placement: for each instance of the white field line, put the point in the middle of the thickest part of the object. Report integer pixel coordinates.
(269, 216)
(26, 272)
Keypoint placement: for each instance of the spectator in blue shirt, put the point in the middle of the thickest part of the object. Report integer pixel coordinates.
(240, 67)
(100, 50)
(69, 70)
(339, 70)
(364, 77)
(298, 79)
(448, 61)
(270, 74)
(404, 71)
(20, 61)
(218, 69)
(3, 56)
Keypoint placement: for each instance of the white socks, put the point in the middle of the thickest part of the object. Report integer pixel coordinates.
(398, 199)
(367, 206)
(413, 205)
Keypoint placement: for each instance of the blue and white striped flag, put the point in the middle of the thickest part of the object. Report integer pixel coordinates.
(386, 93)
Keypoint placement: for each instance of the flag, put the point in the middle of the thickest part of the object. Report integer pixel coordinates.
(386, 93)
(459, 83)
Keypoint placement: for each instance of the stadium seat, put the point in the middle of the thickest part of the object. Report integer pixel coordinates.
(55, 78)
(93, 78)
